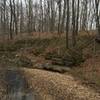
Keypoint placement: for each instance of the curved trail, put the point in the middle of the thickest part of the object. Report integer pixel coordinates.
(55, 86)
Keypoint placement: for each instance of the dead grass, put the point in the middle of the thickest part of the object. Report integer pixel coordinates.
(88, 72)
(54, 86)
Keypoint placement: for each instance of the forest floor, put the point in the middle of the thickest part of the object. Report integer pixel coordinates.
(81, 82)
(55, 86)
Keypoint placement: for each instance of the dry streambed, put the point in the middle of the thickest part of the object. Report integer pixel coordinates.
(15, 86)
(55, 86)
(2, 85)
(35, 84)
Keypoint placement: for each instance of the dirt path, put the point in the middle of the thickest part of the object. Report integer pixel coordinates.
(54, 86)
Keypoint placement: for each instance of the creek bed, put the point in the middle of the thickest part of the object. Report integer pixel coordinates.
(17, 87)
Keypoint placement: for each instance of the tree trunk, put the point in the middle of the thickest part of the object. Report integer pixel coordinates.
(67, 25)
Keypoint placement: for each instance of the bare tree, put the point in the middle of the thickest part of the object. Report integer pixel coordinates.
(64, 16)
(60, 16)
(77, 18)
(11, 19)
(73, 24)
(67, 25)
(59, 20)
(97, 3)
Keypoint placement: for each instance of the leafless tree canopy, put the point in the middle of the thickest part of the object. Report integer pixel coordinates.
(69, 16)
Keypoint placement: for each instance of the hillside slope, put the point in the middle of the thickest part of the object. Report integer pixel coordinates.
(55, 86)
